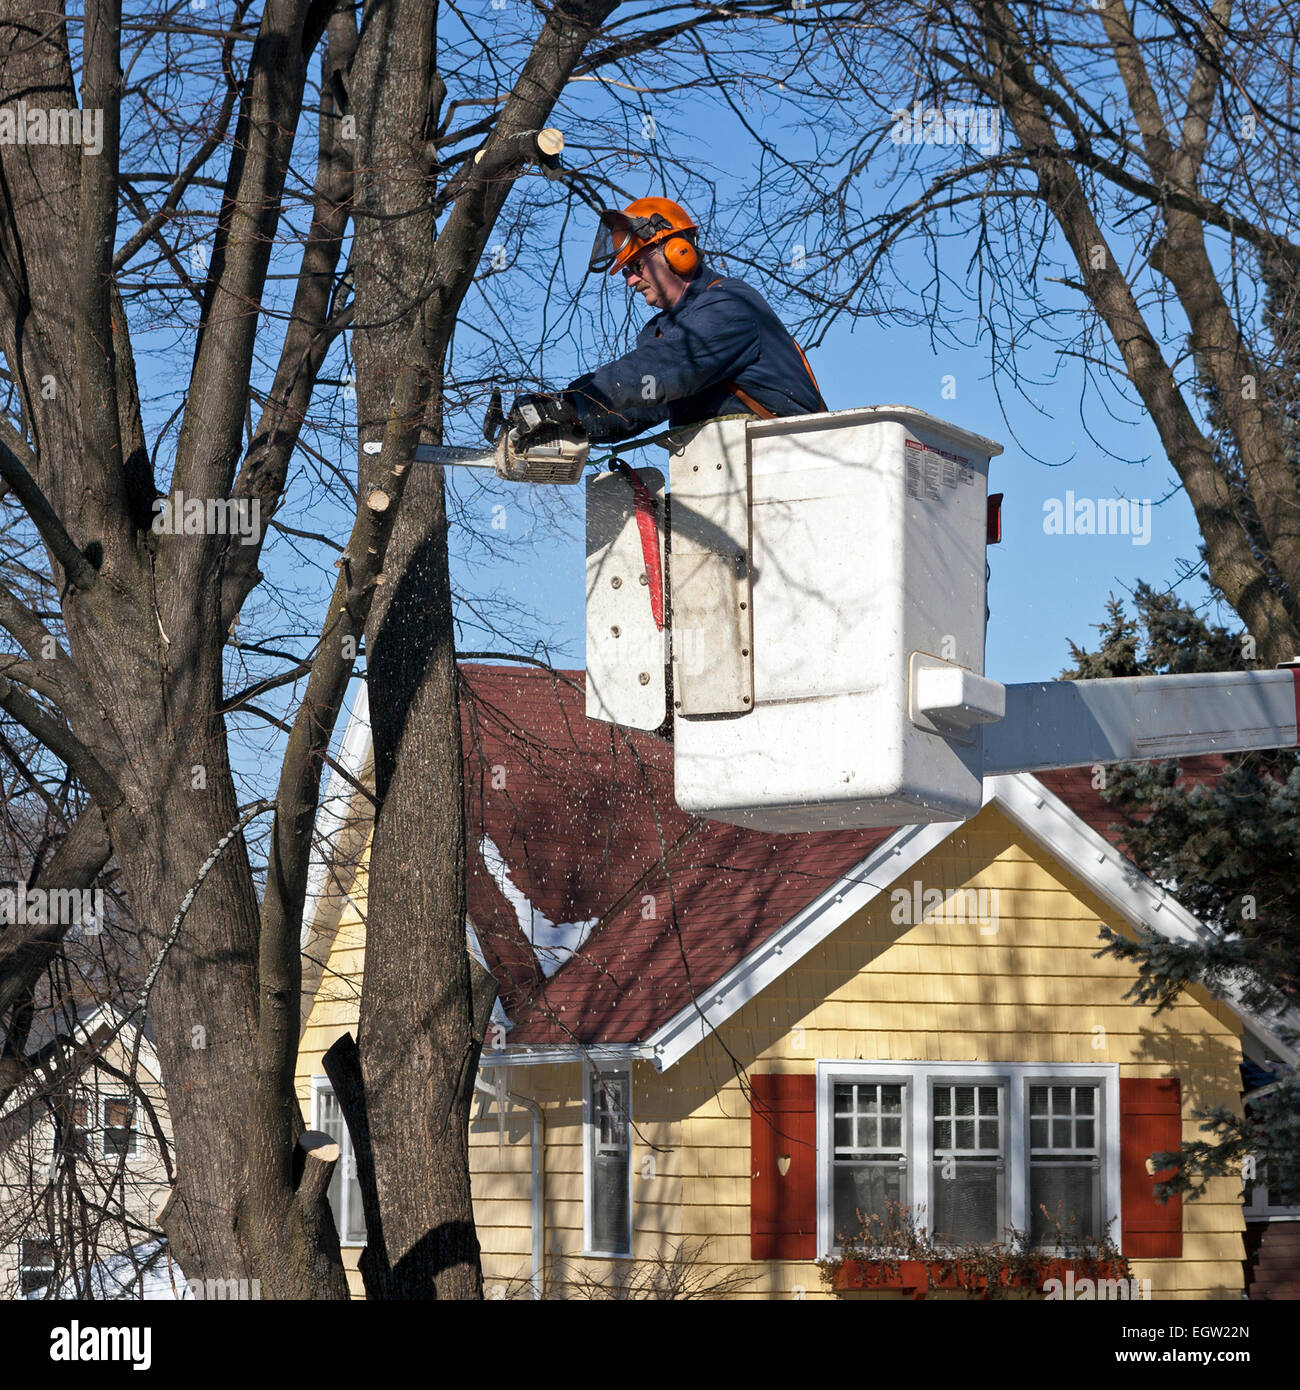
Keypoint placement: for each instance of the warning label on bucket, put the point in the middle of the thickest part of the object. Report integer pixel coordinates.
(930, 471)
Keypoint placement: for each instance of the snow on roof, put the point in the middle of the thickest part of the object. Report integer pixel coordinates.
(553, 943)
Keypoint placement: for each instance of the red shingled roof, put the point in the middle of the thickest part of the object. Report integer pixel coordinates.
(583, 817)
(571, 804)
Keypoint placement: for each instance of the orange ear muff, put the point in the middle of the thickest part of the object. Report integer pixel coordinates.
(681, 255)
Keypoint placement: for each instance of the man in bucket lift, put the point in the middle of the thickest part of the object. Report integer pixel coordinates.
(714, 348)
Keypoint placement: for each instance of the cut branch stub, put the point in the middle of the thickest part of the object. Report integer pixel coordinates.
(378, 501)
(316, 1144)
(320, 1153)
(164, 1207)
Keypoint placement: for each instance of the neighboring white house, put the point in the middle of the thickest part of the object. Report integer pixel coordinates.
(81, 1172)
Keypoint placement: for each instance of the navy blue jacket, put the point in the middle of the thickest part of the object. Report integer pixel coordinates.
(685, 356)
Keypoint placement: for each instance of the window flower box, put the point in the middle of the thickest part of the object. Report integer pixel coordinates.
(918, 1277)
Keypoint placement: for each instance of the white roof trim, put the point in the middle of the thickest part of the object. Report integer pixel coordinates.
(599, 1053)
(806, 930)
(332, 814)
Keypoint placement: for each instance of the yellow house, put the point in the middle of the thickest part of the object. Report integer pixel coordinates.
(714, 1046)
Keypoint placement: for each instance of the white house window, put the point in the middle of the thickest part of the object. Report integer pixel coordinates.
(344, 1188)
(1260, 1205)
(120, 1136)
(973, 1149)
(968, 1162)
(870, 1154)
(609, 1163)
(109, 1119)
(1064, 1160)
(36, 1259)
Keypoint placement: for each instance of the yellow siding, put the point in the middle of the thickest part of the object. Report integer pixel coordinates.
(1028, 991)
(335, 1009)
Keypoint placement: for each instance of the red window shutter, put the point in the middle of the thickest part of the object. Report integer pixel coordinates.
(783, 1167)
(1150, 1121)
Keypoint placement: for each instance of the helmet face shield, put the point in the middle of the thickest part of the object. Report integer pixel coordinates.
(612, 237)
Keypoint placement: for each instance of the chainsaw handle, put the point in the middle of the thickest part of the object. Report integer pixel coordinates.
(494, 421)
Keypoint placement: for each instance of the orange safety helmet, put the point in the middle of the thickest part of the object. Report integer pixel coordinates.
(645, 222)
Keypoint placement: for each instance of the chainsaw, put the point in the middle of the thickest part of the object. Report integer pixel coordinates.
(535, 450)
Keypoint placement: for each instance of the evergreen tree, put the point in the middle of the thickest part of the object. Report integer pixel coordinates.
(1226, 847)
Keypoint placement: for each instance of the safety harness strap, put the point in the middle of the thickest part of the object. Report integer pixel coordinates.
(749, 402)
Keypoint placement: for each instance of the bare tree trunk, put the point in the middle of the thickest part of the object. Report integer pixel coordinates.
(415, 1025)
(1233, 567)
(418, 1043)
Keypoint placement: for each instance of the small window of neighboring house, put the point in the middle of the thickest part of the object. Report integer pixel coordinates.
(36, 1260)
(120, 1136)
(1064, 1162)
(609, 1152)
(344, 1188)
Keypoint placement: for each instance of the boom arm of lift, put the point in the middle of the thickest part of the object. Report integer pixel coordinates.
(1045, 725)
(1058, 724)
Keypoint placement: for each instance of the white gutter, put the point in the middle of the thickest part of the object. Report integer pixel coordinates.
(537, 1168)
(565, 1053)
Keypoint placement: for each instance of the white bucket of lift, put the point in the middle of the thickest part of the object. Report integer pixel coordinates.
(818, 566)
